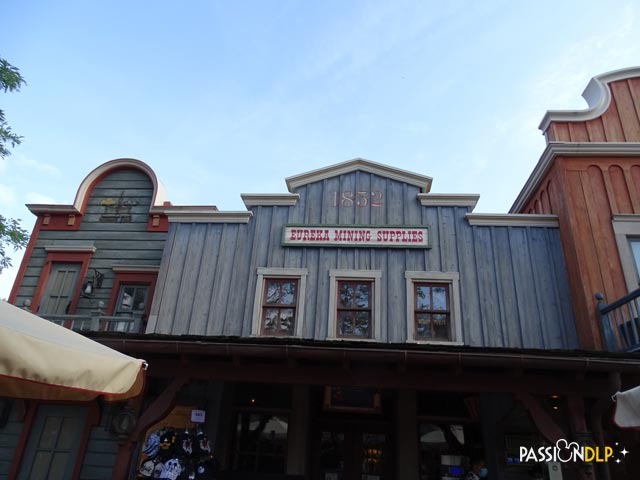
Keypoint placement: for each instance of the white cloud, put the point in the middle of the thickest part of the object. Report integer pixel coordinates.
(7, 196)
(24, 162)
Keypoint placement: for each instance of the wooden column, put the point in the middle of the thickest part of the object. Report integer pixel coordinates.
(407, 462)
(299, 431)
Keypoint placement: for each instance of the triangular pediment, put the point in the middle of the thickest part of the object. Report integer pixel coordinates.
(359, 164)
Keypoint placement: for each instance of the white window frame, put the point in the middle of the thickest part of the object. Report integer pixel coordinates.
(625, 228)
(266, 273)
(374, 276)
(452, 279)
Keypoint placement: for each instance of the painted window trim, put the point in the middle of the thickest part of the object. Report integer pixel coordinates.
(80, 255)
(264, 272)
(133, 277)
(374, 276)
(626, 227)
(453, 280)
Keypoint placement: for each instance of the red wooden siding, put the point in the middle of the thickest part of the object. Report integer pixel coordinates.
(585, 192)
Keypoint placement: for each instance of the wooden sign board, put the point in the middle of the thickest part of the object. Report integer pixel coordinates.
(355, 236)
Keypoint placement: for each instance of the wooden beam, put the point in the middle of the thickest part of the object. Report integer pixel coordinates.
(390, 378)
(541, 419)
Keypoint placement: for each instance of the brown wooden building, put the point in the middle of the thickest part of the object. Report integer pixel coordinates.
(357, 326)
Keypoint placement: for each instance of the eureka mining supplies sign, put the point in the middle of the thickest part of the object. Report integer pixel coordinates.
(355, 236)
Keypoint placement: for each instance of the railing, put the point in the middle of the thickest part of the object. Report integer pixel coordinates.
(99, 322)
(620, 322)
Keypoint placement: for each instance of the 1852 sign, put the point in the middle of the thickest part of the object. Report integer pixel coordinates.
(355, 236)
(359, 198)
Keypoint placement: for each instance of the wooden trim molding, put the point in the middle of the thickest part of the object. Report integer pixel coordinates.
(512, 220)
(212, 216)
(598, 97)
(577, 149)
(270, 199)
(421, 181)
(448, 200)
(135, 268)
(23, 439)
(70, 248)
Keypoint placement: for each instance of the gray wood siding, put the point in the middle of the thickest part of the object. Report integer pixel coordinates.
(513, 281)
(127, 242)
(9, 437)
(102, 449)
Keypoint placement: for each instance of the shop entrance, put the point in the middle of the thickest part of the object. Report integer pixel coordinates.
(352, 450)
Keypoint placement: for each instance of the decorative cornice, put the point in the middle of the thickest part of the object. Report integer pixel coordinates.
(212, 216)
(269, 199)
(570, 149)
(46, 208)
(159, 192)
(448, 200)
(421, 181)
(70, 248)
(512, 220)
(598, 97)
(135, 268)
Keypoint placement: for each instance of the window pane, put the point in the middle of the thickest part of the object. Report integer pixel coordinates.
(58, 466)
(286, 320)
(67, 431)
(49, 435)
(288, 294)
(441, 326)
(260, 444)
(423, 325)
(362, 295)
(40, 469)
(373, 447)
(362, 324)
(635, 250)
(440, 298)
(423, 297)
(270, 319)
(346, 295)
(273, 292)
(345, 323)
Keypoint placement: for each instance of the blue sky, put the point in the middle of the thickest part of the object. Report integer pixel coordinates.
(226, 97)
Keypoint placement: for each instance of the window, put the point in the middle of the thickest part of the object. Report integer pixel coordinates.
(131, 297)
(432, 311)
(433, 306)
(354, 309)
(354, 305)
(626, 229)
(278, 305)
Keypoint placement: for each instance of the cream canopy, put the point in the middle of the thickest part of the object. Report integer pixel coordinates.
(41, 360)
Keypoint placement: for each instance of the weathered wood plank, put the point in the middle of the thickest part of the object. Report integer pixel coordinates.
(189, 284)
(206, 278)
(179, 234)
(529, 315)
(217, 324)
(506, 300)
(629, 120)
(240, 324)
(489, 331)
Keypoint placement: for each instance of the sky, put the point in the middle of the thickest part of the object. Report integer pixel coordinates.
(228, 97)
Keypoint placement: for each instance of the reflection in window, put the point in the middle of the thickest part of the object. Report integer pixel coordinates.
(260, 443)
(634, 243)
(279, 306)
(432, 311)
(354, 313)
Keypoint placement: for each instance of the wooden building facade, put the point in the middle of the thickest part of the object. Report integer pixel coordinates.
(356, 327)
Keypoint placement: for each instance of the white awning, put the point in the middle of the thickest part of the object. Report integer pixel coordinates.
(41, 360)
(627, 408)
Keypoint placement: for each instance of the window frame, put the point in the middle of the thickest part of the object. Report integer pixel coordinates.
(374, 277)
(449, 279)
(626, 227)
(266, 273)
